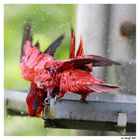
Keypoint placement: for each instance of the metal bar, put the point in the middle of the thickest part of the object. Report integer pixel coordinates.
(102, 112)
(15, 102)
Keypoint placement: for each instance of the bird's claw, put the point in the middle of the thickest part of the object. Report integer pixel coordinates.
(83, 101)
(57, 99)
(47, 100)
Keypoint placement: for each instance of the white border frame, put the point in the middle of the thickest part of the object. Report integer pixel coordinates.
(2, 2)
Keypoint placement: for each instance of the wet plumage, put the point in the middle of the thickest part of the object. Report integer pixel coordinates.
(50, 77)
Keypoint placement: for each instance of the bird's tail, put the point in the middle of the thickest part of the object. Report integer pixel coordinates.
(103, 87)
(80, 50)
(72, 45)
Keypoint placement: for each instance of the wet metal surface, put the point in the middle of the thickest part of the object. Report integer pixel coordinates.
(100, 113)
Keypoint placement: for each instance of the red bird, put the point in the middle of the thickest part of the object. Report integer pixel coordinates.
(69, 77)
(50, 76)
(74, 75)
(35, 100)
(32, 62)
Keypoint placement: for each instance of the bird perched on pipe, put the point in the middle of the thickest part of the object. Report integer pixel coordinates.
(50, 77)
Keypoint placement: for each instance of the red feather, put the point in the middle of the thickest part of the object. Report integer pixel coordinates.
(72, 45)
(80, 50)
(47, 74)
(80, 82)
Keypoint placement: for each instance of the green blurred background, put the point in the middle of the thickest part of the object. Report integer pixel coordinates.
(48, 22)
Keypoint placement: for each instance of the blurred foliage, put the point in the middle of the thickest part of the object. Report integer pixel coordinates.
(27, 126)
(48, 22)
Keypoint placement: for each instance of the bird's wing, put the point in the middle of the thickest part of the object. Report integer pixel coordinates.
(102, 61)
(78, 63)
(73, 64)
(26, 36)
(53, 46)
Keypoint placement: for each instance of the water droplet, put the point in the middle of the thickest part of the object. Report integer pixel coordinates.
(22, 112)
(106, 77)
(131, 40)
(130, 63)
(119, 81)
(11, 31)
(34, 12)
(103, 27)
(108, 50)
(129, 90)
(124, 87)
(13, 14)
(97, 98)
(122, 8)
(43, 18)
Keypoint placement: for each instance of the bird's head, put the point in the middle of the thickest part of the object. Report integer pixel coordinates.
(35, 101)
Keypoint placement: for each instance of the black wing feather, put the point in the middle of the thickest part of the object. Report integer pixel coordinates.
(26, 36)
(102, 61)
(52, 48)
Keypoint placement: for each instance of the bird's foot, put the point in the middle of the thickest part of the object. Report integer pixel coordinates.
(47, 100)
(83, 101)
(57, 99)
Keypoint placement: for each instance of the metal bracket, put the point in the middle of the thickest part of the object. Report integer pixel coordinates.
(122, 123)
(100, 113)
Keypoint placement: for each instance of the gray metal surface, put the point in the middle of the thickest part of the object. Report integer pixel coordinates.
(102, 35)
(15, 102)
(100, 113)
